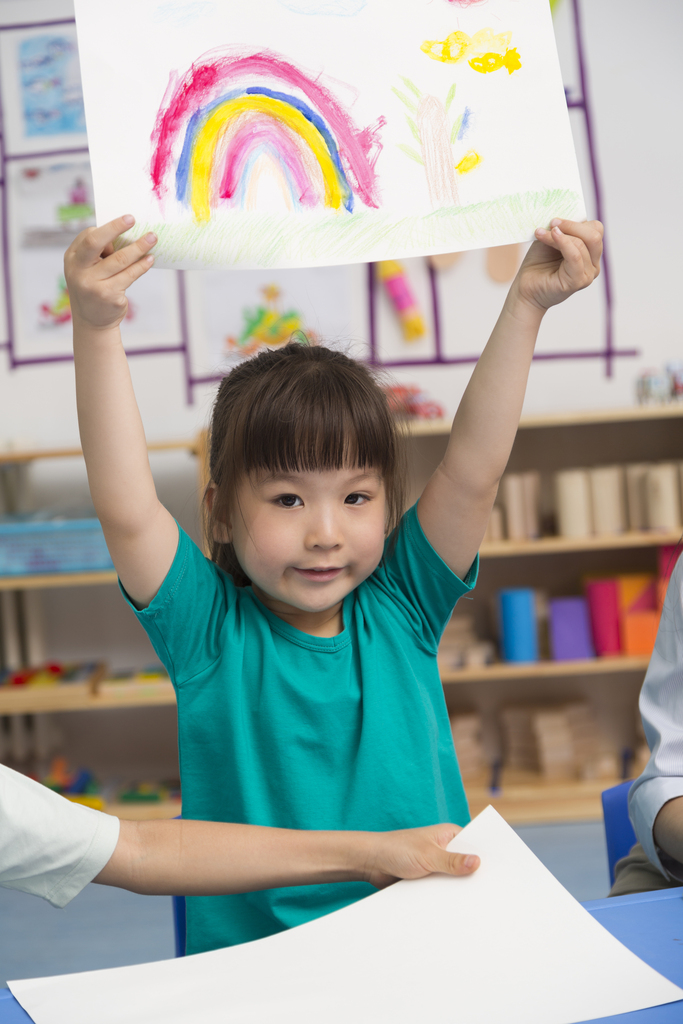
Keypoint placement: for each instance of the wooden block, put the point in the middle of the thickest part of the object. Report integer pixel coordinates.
(444, 260)
(502, 262)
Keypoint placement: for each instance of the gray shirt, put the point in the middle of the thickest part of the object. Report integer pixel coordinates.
(49, 846)
(661, 708)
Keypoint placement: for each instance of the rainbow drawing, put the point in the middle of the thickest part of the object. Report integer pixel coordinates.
(230, 110)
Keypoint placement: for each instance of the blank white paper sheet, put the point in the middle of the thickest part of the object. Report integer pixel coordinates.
(507, 945)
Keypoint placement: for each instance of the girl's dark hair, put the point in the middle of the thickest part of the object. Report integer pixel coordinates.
(298, 408)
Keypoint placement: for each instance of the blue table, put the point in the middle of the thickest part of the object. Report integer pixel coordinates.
(649, 923)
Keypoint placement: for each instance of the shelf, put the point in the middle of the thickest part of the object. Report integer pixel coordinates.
(583, 417)
(526, 798)
(32, 454)
(505, 671)
(127, 693)
(144, 811)
(42, 581)
(561, 545)
(140, 693)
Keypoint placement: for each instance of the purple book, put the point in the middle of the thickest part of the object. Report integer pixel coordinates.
(570, 631)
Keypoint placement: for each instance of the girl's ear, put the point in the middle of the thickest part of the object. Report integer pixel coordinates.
(222, 532)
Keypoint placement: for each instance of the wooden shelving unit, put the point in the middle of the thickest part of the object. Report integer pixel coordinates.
(33, 454)
(568, 545)
(129, 693)
(47, 581)
(587, 417)
(509, 672)
(141, 692)
(524, 797)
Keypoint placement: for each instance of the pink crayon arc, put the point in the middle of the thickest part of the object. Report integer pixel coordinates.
(216, 70)
(238, 146)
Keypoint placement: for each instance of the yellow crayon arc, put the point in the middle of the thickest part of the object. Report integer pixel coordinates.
(207, 139)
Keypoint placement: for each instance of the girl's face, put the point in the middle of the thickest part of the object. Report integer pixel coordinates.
(306, 539)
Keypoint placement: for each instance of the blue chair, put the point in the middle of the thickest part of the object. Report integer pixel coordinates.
(179, 919)
(179, 924)
(618, 828)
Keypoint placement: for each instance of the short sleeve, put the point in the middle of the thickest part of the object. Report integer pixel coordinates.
(184, 619)
(661, 708)
(419, 582)
(49, 846)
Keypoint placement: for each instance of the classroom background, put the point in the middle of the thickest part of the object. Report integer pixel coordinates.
(543, 667)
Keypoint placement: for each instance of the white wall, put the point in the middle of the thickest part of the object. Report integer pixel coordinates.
(635, 90)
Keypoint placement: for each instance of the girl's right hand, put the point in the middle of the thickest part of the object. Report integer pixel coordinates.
(97, 276)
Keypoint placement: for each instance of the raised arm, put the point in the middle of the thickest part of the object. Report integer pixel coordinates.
(201, 858)
(141, 535)
(456, 503)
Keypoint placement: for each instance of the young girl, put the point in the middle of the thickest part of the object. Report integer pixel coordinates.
(304, 653)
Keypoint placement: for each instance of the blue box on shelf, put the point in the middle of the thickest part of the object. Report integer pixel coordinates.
(37, 544)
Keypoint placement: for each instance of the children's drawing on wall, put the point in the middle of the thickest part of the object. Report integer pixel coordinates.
(42, 95)
(274, 135)
(51, 93)
(235, 314)
(50, 201)
(268, 325)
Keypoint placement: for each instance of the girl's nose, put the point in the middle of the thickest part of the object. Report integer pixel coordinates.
(324, 532)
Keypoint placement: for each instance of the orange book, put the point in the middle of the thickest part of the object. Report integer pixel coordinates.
(638, 612)
(639, 632)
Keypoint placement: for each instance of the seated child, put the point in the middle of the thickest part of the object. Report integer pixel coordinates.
(303, 653)
(52, 848)
(656, 797)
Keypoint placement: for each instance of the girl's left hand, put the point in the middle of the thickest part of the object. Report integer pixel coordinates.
(562, 261)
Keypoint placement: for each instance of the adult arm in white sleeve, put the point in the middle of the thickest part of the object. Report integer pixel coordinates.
(51, 847)
(661, 708)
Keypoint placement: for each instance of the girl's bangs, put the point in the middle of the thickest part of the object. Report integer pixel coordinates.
(316, 425)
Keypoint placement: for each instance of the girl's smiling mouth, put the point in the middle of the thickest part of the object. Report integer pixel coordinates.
(321, 575)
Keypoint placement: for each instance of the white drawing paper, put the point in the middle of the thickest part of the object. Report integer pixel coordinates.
(290, 133)
(507, 945)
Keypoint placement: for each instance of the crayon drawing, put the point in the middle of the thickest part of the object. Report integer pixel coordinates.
(428, 121)
(270, 134)
(268, 326)
(485, 51)
(234, 119)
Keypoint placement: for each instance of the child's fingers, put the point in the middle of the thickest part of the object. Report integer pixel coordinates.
(129, 274)
(589, 232)
(575, 255)
(87, 248)
(123, 258)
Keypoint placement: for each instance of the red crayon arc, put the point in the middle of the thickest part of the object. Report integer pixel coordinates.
(216, 70)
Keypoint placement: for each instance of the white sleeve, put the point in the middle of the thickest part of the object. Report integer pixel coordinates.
(49, 846)
(661, 708)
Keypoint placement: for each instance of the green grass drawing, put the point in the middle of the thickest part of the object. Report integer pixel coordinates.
(325, 237)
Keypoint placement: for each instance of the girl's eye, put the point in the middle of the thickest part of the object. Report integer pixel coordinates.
(289, 501)
(355, 499)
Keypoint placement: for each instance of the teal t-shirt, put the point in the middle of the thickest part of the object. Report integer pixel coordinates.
(280, 728)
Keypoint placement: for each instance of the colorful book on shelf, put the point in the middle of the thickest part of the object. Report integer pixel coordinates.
(569, 628)
(638, 613)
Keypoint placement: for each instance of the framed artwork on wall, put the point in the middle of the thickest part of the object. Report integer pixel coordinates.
(42, 98)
